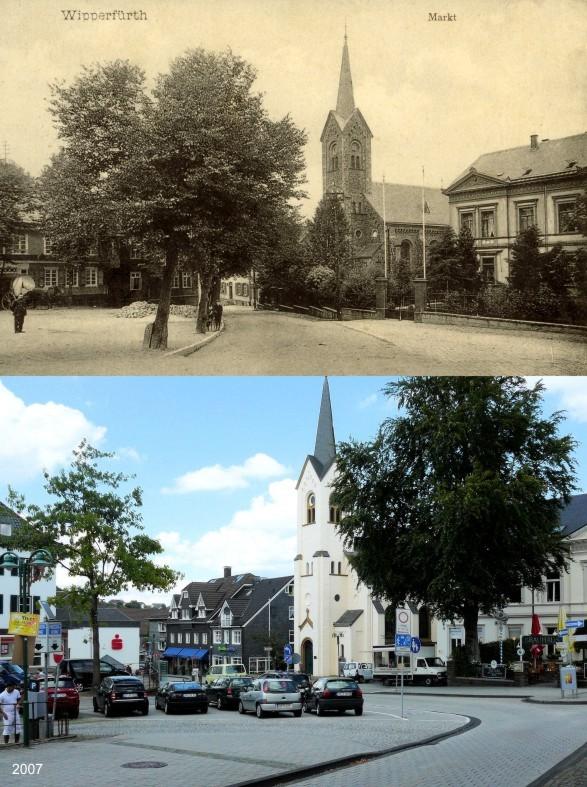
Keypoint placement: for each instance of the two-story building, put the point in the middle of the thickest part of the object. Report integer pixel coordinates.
(505, 192)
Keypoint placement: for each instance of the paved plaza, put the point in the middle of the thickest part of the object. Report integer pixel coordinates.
(96, 342)
(514, 744)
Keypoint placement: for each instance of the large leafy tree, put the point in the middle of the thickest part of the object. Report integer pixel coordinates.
(468, 275)
(16, 188)
(526, 261)
(94, 531)
(442, 262)
(455, 503)
(328, 244)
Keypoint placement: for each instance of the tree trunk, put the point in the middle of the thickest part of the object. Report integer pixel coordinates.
(470, 620)
(95, 643)
(158, 335)
(202, 313)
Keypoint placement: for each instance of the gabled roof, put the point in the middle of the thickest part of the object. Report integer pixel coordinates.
(403, 204)
(10, 517)
(348, 618)
(345, 102)
(574, 516)
(325, 447)
(262, 591)
(112, 616)
(549, 157)
(378, 606)
(342, 123)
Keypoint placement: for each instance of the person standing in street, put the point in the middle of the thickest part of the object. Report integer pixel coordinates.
(19, 310)
(10, 709)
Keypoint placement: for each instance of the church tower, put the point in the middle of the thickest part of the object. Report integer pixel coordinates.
(346, 144)
(334, 620)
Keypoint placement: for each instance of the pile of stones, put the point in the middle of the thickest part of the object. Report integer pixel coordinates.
(144, 309)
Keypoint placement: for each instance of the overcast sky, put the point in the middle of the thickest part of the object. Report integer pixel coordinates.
(217, 458)
(434, 93)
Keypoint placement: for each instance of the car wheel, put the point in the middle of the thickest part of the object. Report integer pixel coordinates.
(241, 708)
(95, 705)
(166, 707)
(145, 710)
(358, 711)
(219, 703)
(79, 685)
(306, 707)
(297, 713)
(428, 682)
(204, 709)
(319, 711)
(108, 711)
(259, 712)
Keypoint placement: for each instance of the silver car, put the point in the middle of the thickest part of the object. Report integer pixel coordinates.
(271, 695)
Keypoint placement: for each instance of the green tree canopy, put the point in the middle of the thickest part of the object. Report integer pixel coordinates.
(328, 243)
(95, 532)
(455, 504)
(16, 188)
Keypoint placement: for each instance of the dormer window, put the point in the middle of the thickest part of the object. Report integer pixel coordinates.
(226, 618)
(311, 509)
(201, 612)
(184, 594)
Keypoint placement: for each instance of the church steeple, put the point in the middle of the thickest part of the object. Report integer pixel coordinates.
(325, 450)
(345, 103)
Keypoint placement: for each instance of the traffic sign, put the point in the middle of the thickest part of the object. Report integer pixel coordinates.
(520, 651)
(57, 658)
(415, 645)
(287, 653)
(575, 624)
(54, 629)
(403, 643)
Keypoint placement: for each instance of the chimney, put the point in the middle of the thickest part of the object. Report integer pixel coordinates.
(226, 571)
(534, 141)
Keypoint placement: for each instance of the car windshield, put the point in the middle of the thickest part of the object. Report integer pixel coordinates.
(134, 685)
(279, 686)
(435, 662)
(185, 686)
(341, 684)
(300, 680)
(14, 669)
(235, 669)
(241, 682)
(62, 683)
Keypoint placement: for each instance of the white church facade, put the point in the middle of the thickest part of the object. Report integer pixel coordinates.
(337, 619)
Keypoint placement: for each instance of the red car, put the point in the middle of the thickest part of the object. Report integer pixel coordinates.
(66, 698)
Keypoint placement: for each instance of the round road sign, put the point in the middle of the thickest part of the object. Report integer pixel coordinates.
(520, 651)
(493, 664)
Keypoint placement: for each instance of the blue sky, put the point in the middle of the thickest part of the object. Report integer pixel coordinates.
(217, 457)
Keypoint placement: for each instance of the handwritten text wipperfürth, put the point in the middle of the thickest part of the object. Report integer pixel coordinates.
(74, 15)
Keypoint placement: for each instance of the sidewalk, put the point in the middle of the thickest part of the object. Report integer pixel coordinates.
(549, 694)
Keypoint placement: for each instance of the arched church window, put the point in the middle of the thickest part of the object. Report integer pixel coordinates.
(355, 155)
(333, 156)
(311, 509)
(406, 250)
(334, 514)
(332, 566)
(307, 568)
(340, 568)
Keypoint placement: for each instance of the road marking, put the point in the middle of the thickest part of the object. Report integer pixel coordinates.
(380, 713)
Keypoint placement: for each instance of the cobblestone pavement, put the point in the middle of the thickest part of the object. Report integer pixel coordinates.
(219, 748)
(93, 341)
(514, 745)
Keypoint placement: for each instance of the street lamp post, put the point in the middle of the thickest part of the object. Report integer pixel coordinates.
(39, 559)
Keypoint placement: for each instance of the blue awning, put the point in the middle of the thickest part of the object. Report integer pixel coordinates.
(201, 653)
(188, 653)
(170, 652)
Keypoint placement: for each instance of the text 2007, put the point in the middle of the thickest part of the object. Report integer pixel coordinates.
(26, 768)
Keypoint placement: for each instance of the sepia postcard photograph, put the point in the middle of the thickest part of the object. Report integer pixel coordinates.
(254, 187)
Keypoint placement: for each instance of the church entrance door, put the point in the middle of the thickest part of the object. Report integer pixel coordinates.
(308, 657)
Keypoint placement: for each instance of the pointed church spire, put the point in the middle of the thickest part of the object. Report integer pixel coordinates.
(346, 100)
(325, 450)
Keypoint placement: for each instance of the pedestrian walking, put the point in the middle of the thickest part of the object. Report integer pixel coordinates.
(195, 673)
(10, 707)
(19, 310)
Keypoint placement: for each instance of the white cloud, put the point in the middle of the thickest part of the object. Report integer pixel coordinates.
(572, 392)
(129, 453)
(260, 538)
(368, 401)
(216, 477)
(39, 436)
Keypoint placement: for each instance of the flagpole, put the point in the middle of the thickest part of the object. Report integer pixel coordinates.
(423, 229)
(384, 233)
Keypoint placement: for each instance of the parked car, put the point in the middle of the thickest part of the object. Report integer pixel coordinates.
(65, 696)
(120, 693)
(224, 671)
(186, 695)
(301, 679)
(82, 671)
(334, 694)
(10, 673)
(359, 670)
(225, 692)
(271, 695)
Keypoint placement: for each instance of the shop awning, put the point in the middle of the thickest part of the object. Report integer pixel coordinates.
(201, 653)
(170, 652)
(188, 653)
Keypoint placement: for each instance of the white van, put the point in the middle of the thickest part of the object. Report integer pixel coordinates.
(224, 671)
(362, 669)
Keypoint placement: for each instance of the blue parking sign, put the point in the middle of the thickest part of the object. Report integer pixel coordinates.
(287, 652)
(415, 645)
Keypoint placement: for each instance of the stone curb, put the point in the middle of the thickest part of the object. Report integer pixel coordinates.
(341, 762)
(573, 759)
(192, 348)
(555, 702)
(521, 697)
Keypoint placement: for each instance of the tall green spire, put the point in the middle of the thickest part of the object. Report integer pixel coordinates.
(345, 103)
(325, 450)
